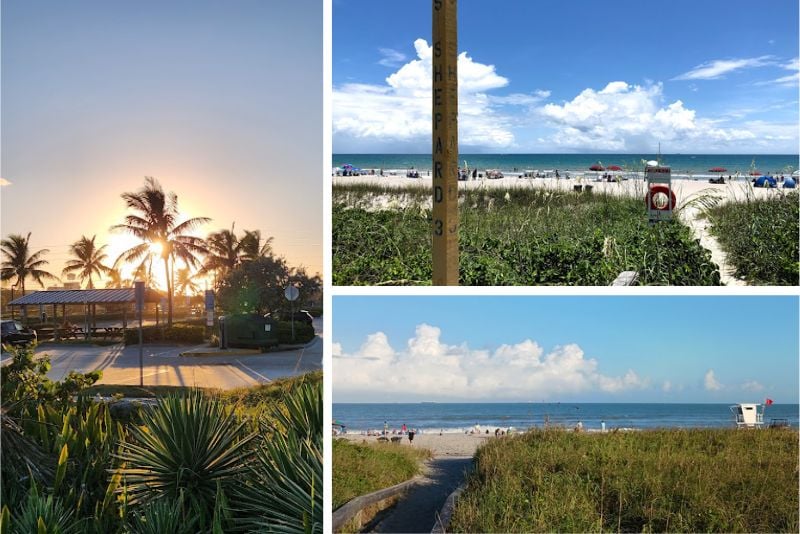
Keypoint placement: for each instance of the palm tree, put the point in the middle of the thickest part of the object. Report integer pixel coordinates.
(155, 222)
(252, 247)
(186, 282)
(223, 252)
(89, 260)
(115, 280)
(19, 263)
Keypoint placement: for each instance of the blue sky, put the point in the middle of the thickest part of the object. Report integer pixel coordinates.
(219, 101)
(581, 349)
(716, 76)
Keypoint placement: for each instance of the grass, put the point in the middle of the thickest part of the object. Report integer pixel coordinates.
(359, 469)
(512, 237)
(760, 238)
(720, 480)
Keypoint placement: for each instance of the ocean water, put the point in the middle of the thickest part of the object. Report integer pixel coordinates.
(461, 417)
(694, 165)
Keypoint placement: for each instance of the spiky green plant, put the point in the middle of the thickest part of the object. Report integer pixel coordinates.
(162, 516)
(187, 445)
(286, 490)
(41, 513)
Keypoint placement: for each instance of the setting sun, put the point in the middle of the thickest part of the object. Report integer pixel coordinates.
(155, 249)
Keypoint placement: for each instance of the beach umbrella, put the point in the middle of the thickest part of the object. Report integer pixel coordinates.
(596, 167)
(718, 169)
(755, 173)
(613, 168)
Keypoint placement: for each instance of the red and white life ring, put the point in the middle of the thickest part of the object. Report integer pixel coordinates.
(666, 191)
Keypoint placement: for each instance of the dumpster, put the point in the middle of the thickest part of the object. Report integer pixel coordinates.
(248, 331)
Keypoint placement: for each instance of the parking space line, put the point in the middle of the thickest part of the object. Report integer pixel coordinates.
(266, 379)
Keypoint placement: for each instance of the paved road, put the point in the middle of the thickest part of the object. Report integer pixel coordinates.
(164, 366)
(417, 511)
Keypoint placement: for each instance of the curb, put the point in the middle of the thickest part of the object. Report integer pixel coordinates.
(245, 352)
(352, 508)
(446, 513)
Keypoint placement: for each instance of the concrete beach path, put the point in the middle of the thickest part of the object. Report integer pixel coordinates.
(417, 510)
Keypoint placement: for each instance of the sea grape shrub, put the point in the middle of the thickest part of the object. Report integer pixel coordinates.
(761, 238)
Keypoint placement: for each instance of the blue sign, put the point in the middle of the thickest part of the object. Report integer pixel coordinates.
(139, 289)
(209, 300)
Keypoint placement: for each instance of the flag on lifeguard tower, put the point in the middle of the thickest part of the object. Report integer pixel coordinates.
(768, 402)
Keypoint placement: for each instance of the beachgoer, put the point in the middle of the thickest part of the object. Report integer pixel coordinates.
(411, 436)
(557, 173)
(403, 429)
(474, 173)
(579, 427)
(385, 428)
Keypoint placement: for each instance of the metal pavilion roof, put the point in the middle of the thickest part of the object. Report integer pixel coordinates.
(84, 296)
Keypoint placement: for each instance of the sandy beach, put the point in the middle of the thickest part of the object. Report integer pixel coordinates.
(449, 444)
(684, 189)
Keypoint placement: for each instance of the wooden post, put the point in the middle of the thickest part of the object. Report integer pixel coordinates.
(445, 143)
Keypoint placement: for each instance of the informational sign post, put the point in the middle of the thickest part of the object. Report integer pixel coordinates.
(209, 306)
(660, 199)
(139, 291)
(445, 143)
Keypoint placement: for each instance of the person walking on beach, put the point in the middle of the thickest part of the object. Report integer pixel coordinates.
(385, 428)
(403, 429)
(411, 436)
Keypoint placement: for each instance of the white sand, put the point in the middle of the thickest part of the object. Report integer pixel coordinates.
(451, 444)
(689, 195)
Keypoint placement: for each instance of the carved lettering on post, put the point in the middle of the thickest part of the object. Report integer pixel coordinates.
(445, 143)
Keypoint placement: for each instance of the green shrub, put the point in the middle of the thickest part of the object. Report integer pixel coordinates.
(164, 334)
(303, 333)
(760, 238)
(531, 237)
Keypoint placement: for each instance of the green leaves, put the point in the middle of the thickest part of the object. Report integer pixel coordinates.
(534, 237)
(185, 446)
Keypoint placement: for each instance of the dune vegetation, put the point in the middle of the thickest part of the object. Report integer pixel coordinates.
(720, 480)
(511, 237)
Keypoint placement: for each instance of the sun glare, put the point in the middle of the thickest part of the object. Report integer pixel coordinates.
(155, 249)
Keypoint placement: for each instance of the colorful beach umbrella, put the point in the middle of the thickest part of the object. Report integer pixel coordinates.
(718, 169)
(755, 173)
(613, 168)
(596, 167)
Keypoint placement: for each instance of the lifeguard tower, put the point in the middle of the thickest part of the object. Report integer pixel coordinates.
(748, 416)
(660, 198)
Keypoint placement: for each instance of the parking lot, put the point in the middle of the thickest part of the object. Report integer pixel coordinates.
(163, 365)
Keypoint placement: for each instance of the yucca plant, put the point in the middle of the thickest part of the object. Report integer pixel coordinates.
(188, 445)
(285, 493)
(162, 516)
(43, 514)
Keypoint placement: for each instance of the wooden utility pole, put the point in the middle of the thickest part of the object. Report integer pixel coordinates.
(445, 143)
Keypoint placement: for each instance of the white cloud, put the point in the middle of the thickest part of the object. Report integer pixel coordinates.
(631, 118)
(400, 110)
(427, 368)
(788, 80)
(752, 386)
(666, 386)
(391, 57)
(710, 382)
(719, 67)
(4, 182)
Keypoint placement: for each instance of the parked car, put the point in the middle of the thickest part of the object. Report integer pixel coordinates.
(14, 333)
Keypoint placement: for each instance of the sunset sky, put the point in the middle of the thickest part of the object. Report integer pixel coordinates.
(222, 106)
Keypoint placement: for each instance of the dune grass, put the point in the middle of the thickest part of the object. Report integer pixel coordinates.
(519, 236)
(359, 469)
(760, 237)
(720, 480)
